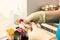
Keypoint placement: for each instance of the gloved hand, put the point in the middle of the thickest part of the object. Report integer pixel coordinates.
(38, 33)
(44, 16)
(37, 17)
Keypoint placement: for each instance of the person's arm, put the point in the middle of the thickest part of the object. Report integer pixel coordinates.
(44, 16)
(52, 16)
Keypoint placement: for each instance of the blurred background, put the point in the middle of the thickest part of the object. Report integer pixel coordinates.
(10, 8)
(34, 5)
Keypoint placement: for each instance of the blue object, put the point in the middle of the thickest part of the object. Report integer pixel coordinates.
(58, 32)
(16, 23)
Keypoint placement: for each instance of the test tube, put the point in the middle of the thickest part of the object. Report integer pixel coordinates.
(10, 34)
(16, 35)
(24, 36)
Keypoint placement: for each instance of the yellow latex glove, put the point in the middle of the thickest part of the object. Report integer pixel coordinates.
(38, 33)
(37, 17)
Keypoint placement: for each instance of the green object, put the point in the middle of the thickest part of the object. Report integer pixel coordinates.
(16, 34)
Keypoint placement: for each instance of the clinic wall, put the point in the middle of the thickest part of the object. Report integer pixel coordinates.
(34, 5)
(9, 8)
